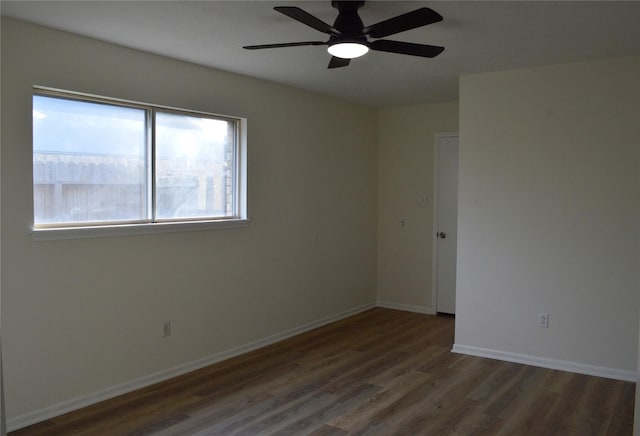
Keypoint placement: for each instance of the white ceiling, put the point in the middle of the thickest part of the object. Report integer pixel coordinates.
(479, 36)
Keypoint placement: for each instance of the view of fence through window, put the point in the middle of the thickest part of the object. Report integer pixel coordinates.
(194, 166)
(92, 163)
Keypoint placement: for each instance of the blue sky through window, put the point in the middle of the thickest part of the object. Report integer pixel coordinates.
(63, 125)
(71, 126)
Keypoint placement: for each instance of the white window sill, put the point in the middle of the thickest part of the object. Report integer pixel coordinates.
(134, 229)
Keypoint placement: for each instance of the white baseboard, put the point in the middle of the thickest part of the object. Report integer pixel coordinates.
(406, 307)
(148, 380)
(543, 362)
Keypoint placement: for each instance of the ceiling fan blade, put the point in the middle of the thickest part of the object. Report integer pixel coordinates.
(410, 20)
(306, 18)
(407, 48)
(337, 62)
(285, 44)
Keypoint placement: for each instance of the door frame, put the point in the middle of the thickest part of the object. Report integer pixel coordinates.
(434, 233)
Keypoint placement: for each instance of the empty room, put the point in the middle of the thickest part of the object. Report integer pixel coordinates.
(316, 217)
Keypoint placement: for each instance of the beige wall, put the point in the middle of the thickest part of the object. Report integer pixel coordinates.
(83, 315)
(549, 212)
(405, 175)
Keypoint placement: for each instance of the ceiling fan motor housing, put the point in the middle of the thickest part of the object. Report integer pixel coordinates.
(348, 22)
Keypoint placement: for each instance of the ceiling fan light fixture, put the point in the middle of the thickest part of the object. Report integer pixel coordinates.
(348, 50)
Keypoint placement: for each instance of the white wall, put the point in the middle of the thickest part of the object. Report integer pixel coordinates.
(549, 213)
(405, 174)
(79, 316)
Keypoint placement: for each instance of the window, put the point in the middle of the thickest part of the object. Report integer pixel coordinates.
(99, 162)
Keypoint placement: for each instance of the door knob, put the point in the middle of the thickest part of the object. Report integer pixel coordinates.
(442, 235)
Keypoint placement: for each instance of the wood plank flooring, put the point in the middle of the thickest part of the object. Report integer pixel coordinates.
(379, 372)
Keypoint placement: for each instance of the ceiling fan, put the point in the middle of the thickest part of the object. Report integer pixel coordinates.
(349, 38)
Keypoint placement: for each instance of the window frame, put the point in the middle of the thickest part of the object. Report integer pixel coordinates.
(151, 224)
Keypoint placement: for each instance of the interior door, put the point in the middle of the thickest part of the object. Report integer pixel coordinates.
(447, 223)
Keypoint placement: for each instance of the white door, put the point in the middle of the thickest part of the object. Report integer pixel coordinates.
(447, 223)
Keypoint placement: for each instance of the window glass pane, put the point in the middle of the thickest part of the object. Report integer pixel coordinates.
(88, 162)
(194, 167)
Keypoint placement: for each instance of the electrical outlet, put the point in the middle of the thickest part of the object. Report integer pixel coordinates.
(166, 329)
(543, 319)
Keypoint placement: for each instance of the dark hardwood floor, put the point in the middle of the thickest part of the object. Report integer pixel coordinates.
(379, 372)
